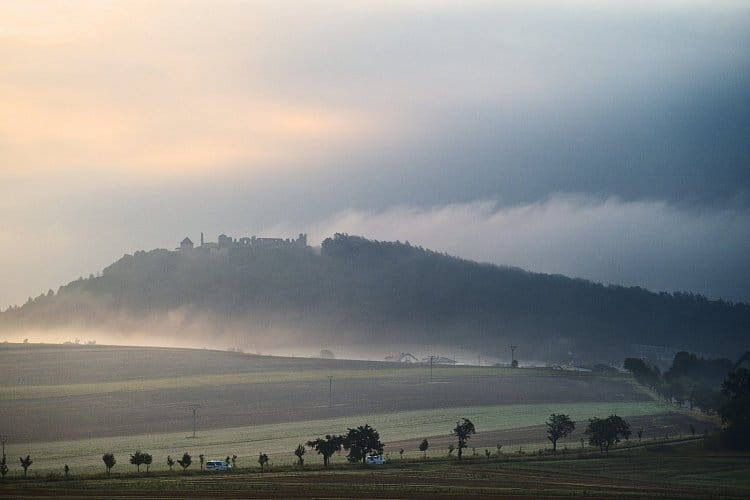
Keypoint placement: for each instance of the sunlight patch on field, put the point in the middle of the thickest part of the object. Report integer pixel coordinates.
(279, 440)
(17, 392)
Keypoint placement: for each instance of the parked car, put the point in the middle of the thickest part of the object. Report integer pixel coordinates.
(217, 465)
(374, 460)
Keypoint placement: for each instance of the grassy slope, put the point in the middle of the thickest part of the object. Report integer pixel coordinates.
(280, 440)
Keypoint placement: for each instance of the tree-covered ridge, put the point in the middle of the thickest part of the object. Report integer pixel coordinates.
(373, 291)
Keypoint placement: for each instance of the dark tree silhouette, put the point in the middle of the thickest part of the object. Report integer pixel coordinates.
(185, 461)
(361, 442)
(401, 452)
(109, 462)
(201, 459)
(170, 462)
(147, 461)
(66, 470)
(326, 446)
(25, 463)
(559, 426)
(450, 449)
(137, 459)
(300, 452)
(3, 466)
(234, 461)
(605, 432)
(735, 412)
(487, 453)
(463, 431)
(423, 447)
(263, 461)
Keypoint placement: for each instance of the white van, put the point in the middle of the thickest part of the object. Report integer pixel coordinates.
(218, 465)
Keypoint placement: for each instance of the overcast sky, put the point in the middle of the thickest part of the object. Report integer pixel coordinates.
(605, 140)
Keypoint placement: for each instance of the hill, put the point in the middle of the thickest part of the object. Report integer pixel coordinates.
(360, 292)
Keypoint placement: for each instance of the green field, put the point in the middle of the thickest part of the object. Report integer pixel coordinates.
(279, 440)
(685, 471)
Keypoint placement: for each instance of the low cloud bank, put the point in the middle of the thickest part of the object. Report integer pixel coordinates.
(648, 243)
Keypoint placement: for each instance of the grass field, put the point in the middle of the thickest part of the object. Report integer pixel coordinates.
(279, 440)
(71, 404)
(663, 472)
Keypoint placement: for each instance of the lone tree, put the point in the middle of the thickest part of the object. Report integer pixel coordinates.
(262, 460)
(66, 470)
(463, 431)
(559, 426)
(423, 447)
(185, 462)
(148, 460)
(361, 442)
(3, 466)
(300, 452)
(401, 452)
(640, 433)
(201, 458)
(605, 432)
(25, 463)
(735, 412)
(109, 462)
(137, 459)
(326, 446)
(170, 462)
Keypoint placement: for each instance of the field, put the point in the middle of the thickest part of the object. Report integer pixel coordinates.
(71, 404)
(661, 472)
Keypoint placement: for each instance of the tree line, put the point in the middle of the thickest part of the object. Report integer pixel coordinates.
(363, 441)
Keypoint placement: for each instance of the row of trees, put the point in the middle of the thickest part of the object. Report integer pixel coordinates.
(363, 441)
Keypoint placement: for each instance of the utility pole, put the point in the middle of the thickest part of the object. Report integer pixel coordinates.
(330, 391)
(431, 358)
(513, 354)
(195, 411)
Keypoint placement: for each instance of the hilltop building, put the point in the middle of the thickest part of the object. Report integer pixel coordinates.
(224, 243)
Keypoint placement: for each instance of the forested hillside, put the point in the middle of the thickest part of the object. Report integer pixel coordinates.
(369, 292)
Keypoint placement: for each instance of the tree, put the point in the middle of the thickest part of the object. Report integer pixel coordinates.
(300, 452)
(202, 459)
(463, 431)
(559, 426)
(487, 453)
(234, 461)
(361, 442)
(423, 447)
(3, 466)
(326, 446)
(401, 453)
(262, 460)
(170, 462)
(185, 462)
(605, 432)
(148, 460)
(25, 463)
(66, 470)
(450, 449)
(137, 459)
(735, 412)
(640, 433)
(109, 462)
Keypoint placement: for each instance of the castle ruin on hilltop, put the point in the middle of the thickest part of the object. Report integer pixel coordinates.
(225, 243)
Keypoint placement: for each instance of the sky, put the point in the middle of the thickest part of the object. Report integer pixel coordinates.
(597, 139)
